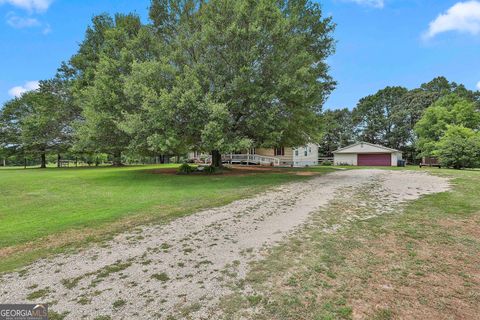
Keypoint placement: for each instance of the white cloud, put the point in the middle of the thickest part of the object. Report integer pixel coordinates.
(370, 3)
(30, 5)
(462, 17)
(478, 85)
(20, 22)
(19, 90)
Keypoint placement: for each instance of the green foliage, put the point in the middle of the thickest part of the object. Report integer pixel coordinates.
(252, 84)
(459, 147)
(327, 163)
(210, 169)
(338, 131)
(389, 116)
(163, 277)
(450, 110)
(375, 116)
(186, 168)
(37, 122)
(102, 97)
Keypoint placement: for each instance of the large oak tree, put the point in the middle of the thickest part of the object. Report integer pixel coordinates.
(259, 67)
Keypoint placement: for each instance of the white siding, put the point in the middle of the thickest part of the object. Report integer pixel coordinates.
(305, 155)
(345, 158)
(395, 157)
(364, 148)
(351, 158)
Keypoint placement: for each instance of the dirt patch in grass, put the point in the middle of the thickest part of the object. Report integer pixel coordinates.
(415, 279)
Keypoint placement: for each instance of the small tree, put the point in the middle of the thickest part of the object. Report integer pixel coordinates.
(459, 148)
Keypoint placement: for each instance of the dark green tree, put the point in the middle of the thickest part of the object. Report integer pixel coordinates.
(376, 117)
(337, 131)
(104, 60)
(260, 64)
(36, 123)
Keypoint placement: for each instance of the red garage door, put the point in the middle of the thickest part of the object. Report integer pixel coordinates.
(384, 159)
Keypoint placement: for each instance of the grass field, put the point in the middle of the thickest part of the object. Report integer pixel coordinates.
(421, 264)
(52, 210)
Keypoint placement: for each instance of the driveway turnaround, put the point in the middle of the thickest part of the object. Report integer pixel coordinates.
(182, 269)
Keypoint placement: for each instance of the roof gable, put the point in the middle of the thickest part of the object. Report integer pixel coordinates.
(365, 147)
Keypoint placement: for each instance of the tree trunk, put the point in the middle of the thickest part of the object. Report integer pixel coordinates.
(25, 163)
(117, 158)
(162, 159)
(76, 161)
(44, 161)
(216, 159)
(59, 158)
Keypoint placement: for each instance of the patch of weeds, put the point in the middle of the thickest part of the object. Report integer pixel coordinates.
(203, 262)
(118, 303)
(52, 315)
(187, 250)
(254, 299)
(71, 283)
(42, 293)
(84, 301)
(23, 272)
(161, 277)
(383, 314)
(146, 262)
(165, 246)
(103, 318)
(113, 268)
(185, 311)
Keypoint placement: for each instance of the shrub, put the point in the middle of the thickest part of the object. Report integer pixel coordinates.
(209, 169)
(326, 163)
(186, 168)
(459, 148)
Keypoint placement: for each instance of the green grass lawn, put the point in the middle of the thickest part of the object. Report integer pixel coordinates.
(421, 264)
(45, 211)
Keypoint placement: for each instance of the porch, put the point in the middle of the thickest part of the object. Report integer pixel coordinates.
(247, 159)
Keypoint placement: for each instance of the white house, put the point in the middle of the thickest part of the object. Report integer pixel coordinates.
(367, 154)
(302, 156)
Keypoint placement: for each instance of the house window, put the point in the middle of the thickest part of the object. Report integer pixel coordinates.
(296, 152)
(306, 152)
(280, 151)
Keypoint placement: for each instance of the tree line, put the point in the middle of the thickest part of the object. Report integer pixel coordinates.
(439, 119)
(211, 76)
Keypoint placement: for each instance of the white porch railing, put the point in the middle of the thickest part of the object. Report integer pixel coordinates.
(248, 159)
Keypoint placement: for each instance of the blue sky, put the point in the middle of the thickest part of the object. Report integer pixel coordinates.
(380, 42)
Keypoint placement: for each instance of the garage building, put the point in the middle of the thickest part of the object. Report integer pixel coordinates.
(367, 154)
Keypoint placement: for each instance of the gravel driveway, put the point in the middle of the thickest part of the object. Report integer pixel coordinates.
(182, 269)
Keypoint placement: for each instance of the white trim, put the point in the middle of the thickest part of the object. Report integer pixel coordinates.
(370, 144)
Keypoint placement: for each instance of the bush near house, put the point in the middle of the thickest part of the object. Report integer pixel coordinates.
(459, 148)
